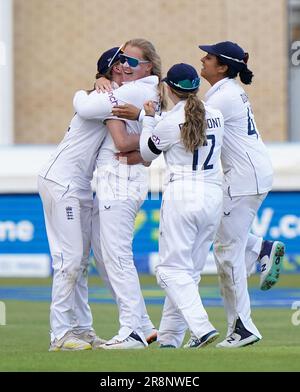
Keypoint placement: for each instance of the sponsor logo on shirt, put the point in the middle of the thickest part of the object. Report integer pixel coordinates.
(155, 139)
(112, 98)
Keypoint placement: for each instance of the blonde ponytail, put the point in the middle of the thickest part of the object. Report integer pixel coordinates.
(193, 131)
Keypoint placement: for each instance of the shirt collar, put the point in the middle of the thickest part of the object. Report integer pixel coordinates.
(215, 87)
(178, 105)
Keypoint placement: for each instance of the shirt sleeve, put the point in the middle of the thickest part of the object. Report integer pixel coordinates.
(154, 139)
(157, 116)
(94, 105)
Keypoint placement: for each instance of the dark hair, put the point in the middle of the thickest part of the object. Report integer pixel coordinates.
(193, 131)
(245, 74)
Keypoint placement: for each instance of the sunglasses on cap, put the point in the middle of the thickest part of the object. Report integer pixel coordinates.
(131, 61)
(118, 52)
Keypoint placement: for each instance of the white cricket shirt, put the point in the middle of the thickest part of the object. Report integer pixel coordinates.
(165, 136)
(73, 162)
(136, 93)
(245, 160)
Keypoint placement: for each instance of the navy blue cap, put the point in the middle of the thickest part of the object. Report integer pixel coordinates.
(108, 59)
(230, 52)
(182, 77)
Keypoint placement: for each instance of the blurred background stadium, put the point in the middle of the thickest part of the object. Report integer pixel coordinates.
(48, 50)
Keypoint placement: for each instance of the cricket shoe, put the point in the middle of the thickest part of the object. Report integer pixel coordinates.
(240, 337)
(203, 341)
(90, 337)
(133, 341)
(151, 336)
(69, 342)
(270, 259)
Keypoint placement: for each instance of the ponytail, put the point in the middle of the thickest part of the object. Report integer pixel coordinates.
(233, 70)
(246, 76)
(193, 131)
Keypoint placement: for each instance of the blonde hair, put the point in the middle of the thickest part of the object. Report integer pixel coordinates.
(193, 131)
(150, 54)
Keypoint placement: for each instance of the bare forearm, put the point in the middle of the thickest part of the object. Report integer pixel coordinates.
(132, 158)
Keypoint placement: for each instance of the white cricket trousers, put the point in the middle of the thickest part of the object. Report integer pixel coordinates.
(120, 199)
(147, 324)
(68, 226)
(187, 230)
(232, 241)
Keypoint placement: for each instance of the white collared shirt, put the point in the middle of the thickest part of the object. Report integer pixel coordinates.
(245, 160)
(137, 93)
(165, 135)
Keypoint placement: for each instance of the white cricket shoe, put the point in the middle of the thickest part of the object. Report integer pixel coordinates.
(133, 341)
(90, 337)
(203, 341)
(69, 342)
(240, 337)
(270, 259)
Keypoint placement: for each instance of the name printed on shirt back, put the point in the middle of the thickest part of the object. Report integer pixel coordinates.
(213, 122)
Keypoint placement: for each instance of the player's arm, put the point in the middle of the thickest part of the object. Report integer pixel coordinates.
(122, 140)
(131, 112)
(99, 106)
(103, 85)
(131, 158)
(93, 106)
(153, 138)
(128, 111)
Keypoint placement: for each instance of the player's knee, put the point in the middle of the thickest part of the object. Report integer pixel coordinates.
(225, 252)
(126, 262)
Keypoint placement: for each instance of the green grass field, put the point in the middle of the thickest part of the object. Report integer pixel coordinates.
(24, 340)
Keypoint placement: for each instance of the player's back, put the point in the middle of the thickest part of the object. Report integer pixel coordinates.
(73, 162)
(245, 159)
(204, 164)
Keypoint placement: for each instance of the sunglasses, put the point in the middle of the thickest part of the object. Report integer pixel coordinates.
(131, 61)
(116, 55)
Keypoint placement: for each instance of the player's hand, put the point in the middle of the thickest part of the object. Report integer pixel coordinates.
(103, 85)
(149, 107)
(128, 111)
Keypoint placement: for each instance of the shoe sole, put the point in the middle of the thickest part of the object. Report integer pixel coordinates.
(118, 347)
(211, 339)
(239, 346)
(76, 348)
(273, 275)
(56, 349)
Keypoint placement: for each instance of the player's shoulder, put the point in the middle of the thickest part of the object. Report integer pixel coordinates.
(211, 111)
(147, 81)
(138, 91)
(175, 116)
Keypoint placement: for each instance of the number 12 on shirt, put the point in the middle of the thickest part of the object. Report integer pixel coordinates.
(206, 165)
